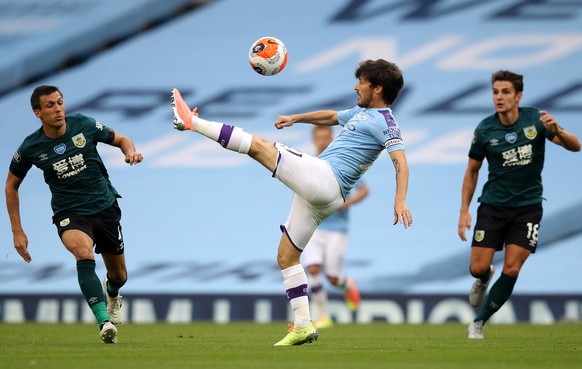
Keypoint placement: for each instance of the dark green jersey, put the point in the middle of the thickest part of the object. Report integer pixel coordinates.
(71, 165)
(515, 157)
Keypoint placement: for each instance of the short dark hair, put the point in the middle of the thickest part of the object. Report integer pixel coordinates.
(42, 91)
(382, 73)
(504, 75)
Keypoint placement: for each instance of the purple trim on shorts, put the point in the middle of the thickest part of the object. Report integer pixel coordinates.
(295, 292)
(225, 133)
(278, 160)
(284, 230)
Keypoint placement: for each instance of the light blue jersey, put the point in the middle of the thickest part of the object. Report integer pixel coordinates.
(339, 221)
(365, 133)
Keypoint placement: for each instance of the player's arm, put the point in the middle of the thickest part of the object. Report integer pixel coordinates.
(467, 191)
(361, 193)
(127, 148)
(566, 139)
(319, 118)
(13, 205)
(401, 212)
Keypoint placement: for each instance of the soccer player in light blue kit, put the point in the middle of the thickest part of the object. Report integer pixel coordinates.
(320, 184)
(328, 245)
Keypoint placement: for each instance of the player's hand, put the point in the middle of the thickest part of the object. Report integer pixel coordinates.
(21, 245)
(283, 121)
(402, 214)
(133, 158)
(549, 122)
(464, 224)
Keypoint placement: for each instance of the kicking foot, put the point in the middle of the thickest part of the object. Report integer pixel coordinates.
(182, 113)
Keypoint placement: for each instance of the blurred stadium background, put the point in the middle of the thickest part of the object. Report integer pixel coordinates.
(201, 223)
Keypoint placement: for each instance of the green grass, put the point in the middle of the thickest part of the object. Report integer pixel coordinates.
(250, 345)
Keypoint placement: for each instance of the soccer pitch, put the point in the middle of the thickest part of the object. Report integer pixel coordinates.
(250, 345)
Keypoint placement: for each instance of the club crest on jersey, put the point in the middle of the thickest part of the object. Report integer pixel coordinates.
(60, 148)
(530, 132)
(363, 116)
(479, 235)
(65, 222)
(511, 137)
(79, 140)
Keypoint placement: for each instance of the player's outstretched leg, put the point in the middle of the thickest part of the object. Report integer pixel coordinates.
(479, 288)
(108, 332)
(114, 304)
(230, 137)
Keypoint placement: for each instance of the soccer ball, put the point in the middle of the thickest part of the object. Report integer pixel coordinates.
(268, 56)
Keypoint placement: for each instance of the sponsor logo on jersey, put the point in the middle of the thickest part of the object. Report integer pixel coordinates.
(65, 222)
(43, 156)
(60, 148)
(98, 125)
(17, 157)
(530, 132)
(511, 137)
(392, 132)
(479, 235)
(474, 139)
(79, 140)
(494, 142)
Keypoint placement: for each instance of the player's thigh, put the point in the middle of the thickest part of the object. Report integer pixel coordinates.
(515, 257)
(76, 233)
(264, 152)
(308, 176)
(314, 250)
(304, 218)
(78, 243)
(335, 251)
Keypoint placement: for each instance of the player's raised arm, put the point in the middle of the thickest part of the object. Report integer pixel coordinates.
(13, 206)
(128, 148)
(320, 118)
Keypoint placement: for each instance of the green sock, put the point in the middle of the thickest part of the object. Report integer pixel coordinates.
(113, 287)
(498, 295)
(92, 290)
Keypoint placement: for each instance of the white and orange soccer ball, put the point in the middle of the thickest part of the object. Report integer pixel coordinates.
(268, 56)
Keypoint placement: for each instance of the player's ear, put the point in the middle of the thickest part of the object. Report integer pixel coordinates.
(36, 112)
(518, 96)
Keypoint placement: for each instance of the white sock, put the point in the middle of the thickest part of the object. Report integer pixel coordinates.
(230, 137)
(318, 294)
(295, 282)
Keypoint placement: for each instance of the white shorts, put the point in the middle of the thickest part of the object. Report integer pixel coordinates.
(326, 248)
(317, 192)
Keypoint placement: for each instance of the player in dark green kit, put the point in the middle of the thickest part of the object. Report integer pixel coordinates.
(513, 142)
(84, 202)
